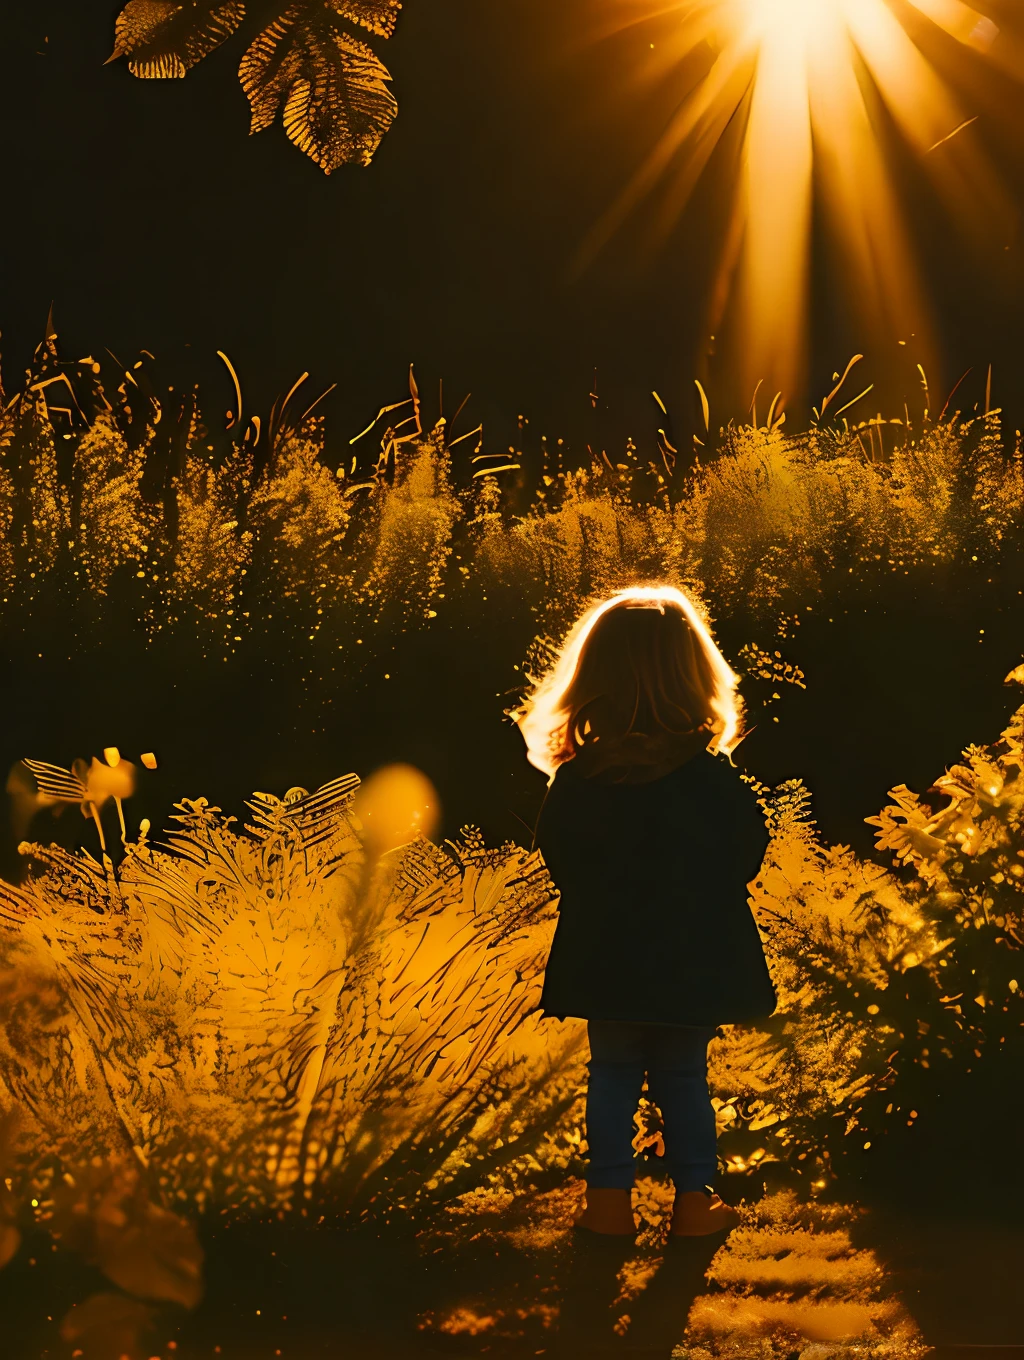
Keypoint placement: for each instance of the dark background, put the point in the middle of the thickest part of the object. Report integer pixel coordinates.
(148, 217)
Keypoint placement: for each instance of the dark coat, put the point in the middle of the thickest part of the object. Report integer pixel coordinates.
(654, 921)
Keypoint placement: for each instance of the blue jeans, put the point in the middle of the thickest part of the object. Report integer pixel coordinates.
(675, 1059)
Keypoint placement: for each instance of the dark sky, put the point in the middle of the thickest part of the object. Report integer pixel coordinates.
(147, 215)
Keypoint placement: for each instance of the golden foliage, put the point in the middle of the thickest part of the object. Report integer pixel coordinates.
(255, 1018)
(588, 540)
(413, 523)
(191, 536)
(774, 519)
(163, 38)
(145, 517)
(967, 852)
(114, 523)
(891, 985)
(260, 1017)
(330, 87)
(298, 518)
(201, 567)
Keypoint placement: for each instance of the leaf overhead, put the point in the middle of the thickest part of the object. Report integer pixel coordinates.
(378, 16)
(163, 39)
(330, 87)
(336, 103)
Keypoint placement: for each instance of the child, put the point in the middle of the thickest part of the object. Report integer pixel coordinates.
(651, 837)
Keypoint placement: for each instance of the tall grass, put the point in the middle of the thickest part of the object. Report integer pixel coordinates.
(121, 509)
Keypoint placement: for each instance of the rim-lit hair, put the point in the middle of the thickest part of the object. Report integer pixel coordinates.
(677, 681)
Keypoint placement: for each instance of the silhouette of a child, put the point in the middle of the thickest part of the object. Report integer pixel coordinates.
(651, 837)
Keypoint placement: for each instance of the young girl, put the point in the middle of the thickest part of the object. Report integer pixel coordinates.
(651, 837)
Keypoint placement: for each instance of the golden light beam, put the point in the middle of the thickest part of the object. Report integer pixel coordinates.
(816, 88)
(775, 194)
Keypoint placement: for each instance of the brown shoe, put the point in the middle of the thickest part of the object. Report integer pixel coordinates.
(608, 1212)
(698, 1214)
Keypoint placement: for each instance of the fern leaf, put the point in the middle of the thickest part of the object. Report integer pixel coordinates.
(378, 16)
(336, 104)
(53, 782)
(163, 39)
(313, 816)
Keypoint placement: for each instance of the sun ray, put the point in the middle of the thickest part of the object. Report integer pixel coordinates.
(817, 91)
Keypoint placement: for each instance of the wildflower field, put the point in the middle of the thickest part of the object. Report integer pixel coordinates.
(224, 1013)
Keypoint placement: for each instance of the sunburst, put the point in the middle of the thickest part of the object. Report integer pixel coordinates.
(816, 89)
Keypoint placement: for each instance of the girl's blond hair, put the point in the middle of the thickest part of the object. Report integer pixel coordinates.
(619, 673)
